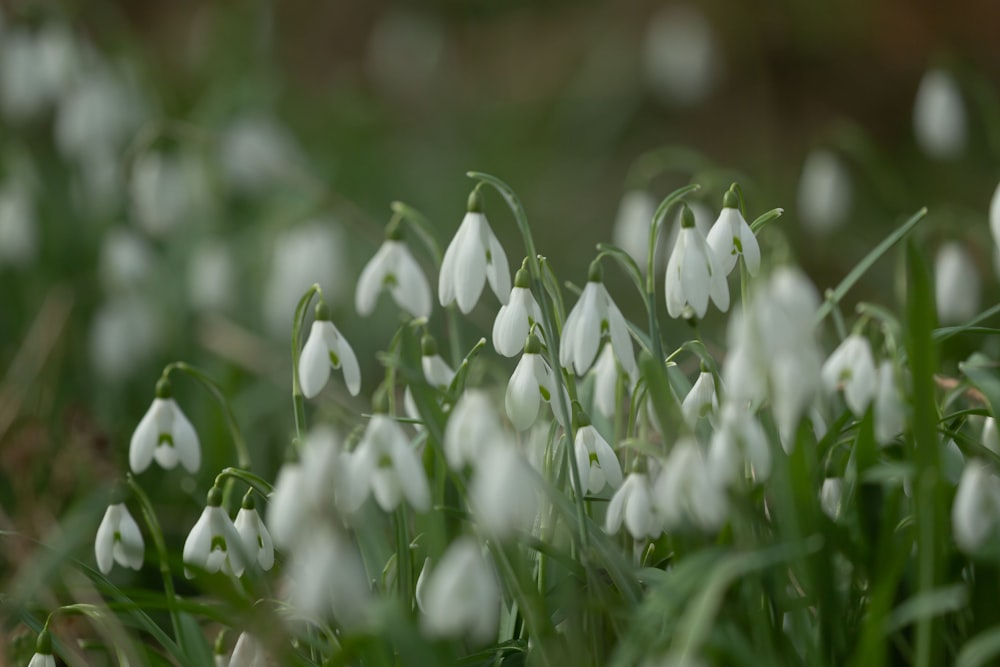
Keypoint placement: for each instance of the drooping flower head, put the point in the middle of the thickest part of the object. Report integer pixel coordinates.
(164, 434)
(460, 597)
(702, 399)
(532, 383)
(694, 273)
(939, 118)
(595, 459)
(516, 318)
(393, 268)
(213, 543)
(43, 651)
(731, 237)
(257, 544)
(633, 505)
(473, 258)
(593, 317)
(326, 348)
(118, 539)
(386, 465)
(851, 367)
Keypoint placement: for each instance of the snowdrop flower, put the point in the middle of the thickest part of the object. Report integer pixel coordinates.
(460, 597)
(125, 333)
(167, 190)
(956, 284)
(731, 237)
(473, 257)
(516, 317)
(594, 316)
(503, 493)
(386, 464)
(257, 154)
(694, 273)
(824, 197)
(606, 374)
(701, 400)
(831, 497)
(96, 117)
(631, 228)
(890, 415)
(257, 544)
(328, 576)
(43, 651)
(248, 652)
(595, 459)
(472, 429)
(632, 504)
(939, 116)
(975, 513)
(852, 368)
(681, 56)
(35, 69)
(18, 225)
(991, 436)
(126, 260)
(687, 492)
(738, 440)
(437, 372)
(531, 383)
(211, 276)
(213, 543)
(164, 434)
(118, 539)
(324, 348)
(393, 268)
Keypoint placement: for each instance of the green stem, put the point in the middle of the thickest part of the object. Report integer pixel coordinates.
(161, 553)
(258, 484)
(298, 400)
(404, 565)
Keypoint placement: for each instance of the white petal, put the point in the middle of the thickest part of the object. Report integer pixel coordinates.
(639, 512)
(285, 507)
(411, 292)
(222, 526)
(349, 365)
(498, 270)
(510, 329)
(198, 543)
(372, 279)
(470, 262)
(696, 274)
(620, 338)
(616, 508)
(587, 337)
(720, 239)
(446, 276)
(412, 477)
(582, 460)
(314, 362)
(144, 440)
(609, 462)
(132, 547)
(673, 285)
(186, 442)
(104, 542)
(522, 399)
(751, 249)
(569, 334)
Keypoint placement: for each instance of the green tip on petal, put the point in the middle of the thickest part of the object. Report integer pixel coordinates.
(428, 346)
(214, 497)
(687, 217)
(580, 418)
(44, 643)
(248, 501)
(322, 312)
(522, 278)
(532, 345)
(164, 388)
(394, 230)
(221, 642)
(475, 204)
(595, 273)
(731, 199)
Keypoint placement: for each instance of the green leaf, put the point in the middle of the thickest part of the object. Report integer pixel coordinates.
(925, 605)
(944, 333)
(765, 219)
(982, 649)
(193, 642)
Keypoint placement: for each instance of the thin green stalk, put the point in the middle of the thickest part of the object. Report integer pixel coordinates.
(404, 564)
(257, 483)
(149, 515)
(298, 400)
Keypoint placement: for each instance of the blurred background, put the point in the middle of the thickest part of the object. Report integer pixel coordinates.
(173, 175)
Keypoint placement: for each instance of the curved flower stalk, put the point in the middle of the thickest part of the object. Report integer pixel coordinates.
(386, 465)
(393, 268)
(472, 429)
(851, 367)
(531, 383)
(326, 348)
(473, 258)
(731, 237)
(632, 505)
(460, 597)
(516, 318)
(213, 543)
(165, 435)
(694, 273)
(118, 540)
(594, 316)
(257, 544)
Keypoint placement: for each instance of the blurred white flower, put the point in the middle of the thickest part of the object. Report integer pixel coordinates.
(97, 116)
(125, 333)
(995, 223)
(472, 428)
(731, 238)
(701, 400)
(596, 460)
(406, 51)
(18, 225)
(631, 227)
(386, 464)
(515, 318)
(594, 316)
(211, 276)
(257, 544)
(118, 540)
(975, 512)
(258, 154)
(681, 56)
(939, 116)
(694, 273)
(633, 505)
(473, 258)
(991, 436)
(126, 260)
(248, 652)
(687, 492)
(531, 383)
(393, 268)
(956, 284)
(35, 69)
(831, 496)
(606, 374)
(164, 434)
(825, 191)
(851, 367)
(328, 576)
(890, 412)
(460, 597)
(325, 348)
(308, 253)
(739, 439)
(213, 543)
(167, 191)
(503, 493)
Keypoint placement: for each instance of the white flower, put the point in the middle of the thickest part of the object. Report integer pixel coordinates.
(503, 493)
(701, 400)
(258, 154)
(731, 237)
(213, 543)
(42, 660)
(890, 415)
(686, 491)
(97, 116)
(956, 284)
(852, 368)
(515, 318)
(327, 575)
(824, 197)
(594, 316)
(596, 460)
(831, 497)
(531, 383)
(18, 225)
(991, 436)
(257, 544)
(324, 348)
(167, 191)
(473, 257)
(437, 372)
(248, 652)
(472, 428)
(939, 116)
(126, 259)
(118, 540)
(211, 276)
(633, 505)
(164, 434)
(125, 334)
(694, 273)
(631, 228)
(35, 69)
(460, 597)
(738, 440)
(995, 219)
(387, 465)
(606, 374)
(395, 269)
(975, 513)
(681, 56)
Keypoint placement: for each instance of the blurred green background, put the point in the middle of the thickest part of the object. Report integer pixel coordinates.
(174, 174)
